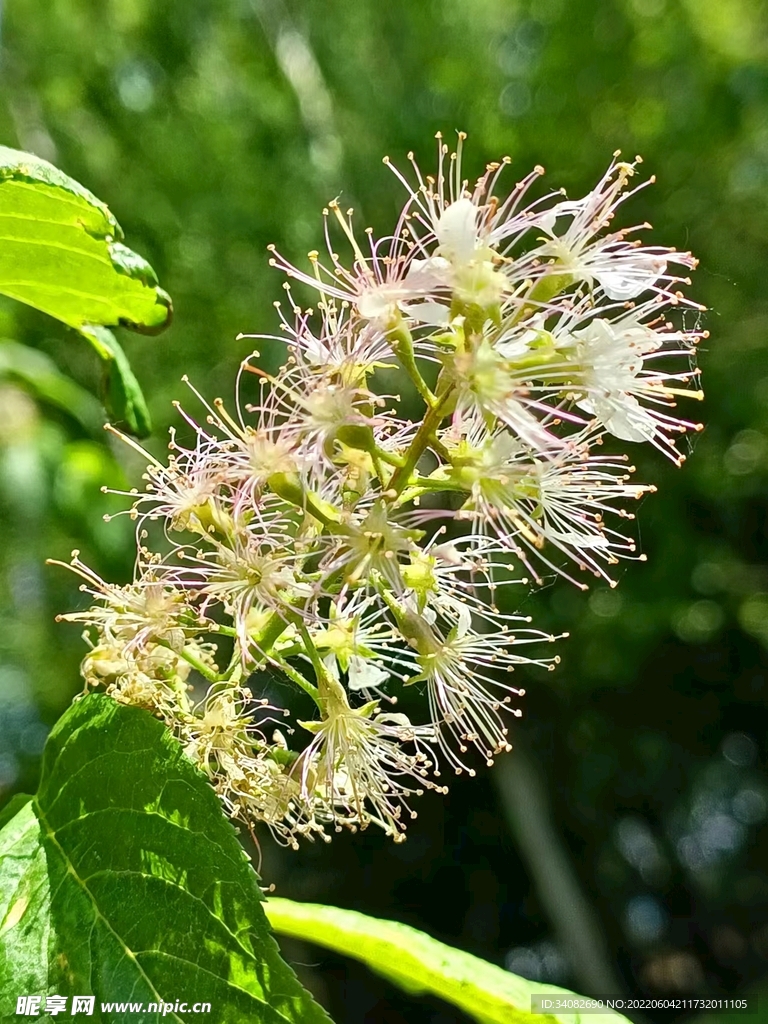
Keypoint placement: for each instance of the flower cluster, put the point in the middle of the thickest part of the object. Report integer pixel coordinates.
(319, 531)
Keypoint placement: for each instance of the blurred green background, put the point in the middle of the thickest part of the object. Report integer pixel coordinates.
(625, 841)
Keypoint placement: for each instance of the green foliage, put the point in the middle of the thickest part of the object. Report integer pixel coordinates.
(121, 391)
(122, 878)
(40, 376)
(61, 252)
(420, 964)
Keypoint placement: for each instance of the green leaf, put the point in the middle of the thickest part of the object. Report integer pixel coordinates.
(123, 397)
(12, 808)
(61, 252)
(39, 374)
(122, 878)
(422, 965)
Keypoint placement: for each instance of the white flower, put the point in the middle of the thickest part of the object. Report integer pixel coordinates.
(613, 369)
(417, 291)
(457, 579)
(248, 574)
(624, 269)
(462, 268)
(339, 348)
(185, 493)
(359, 644)
(374, 284)
(489, 385)
(360, 766)
(355, 549)
(612, 357)
(562, 501)
(236, 457)
(143, 612)
(368, 544)
(459, 667)
(465, 699)
(612, 360)
(443, 247)
(153, 677)
(222, 735)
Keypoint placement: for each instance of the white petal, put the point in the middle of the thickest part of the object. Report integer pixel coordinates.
(597, 336)
(631, 276)
(422, 278)
(624, 417)
(447, 553)
(365, 674)
(316, 352)
(637, 337)
(525, 425)
(456, 231)
(577, 540)
(568, 208)
(434, 313)
(465, 621)
(330, 663)
(514, 345)
(425, 275)
(376, 302)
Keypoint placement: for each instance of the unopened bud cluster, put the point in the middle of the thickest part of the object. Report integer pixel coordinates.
(317, 531)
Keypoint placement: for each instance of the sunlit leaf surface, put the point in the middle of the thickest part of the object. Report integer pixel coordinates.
(61, 252)
(422, 965)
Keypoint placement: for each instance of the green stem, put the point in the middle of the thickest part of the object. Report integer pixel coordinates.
(378, 468)
(198, 665)
(402, 345)
(295, 676)
(441, 450)
(271, 633)
(309, 648)
(235, 668)
(430, 423)
(182, 694)
(290, 488)
(218, 627)
(389, 457)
